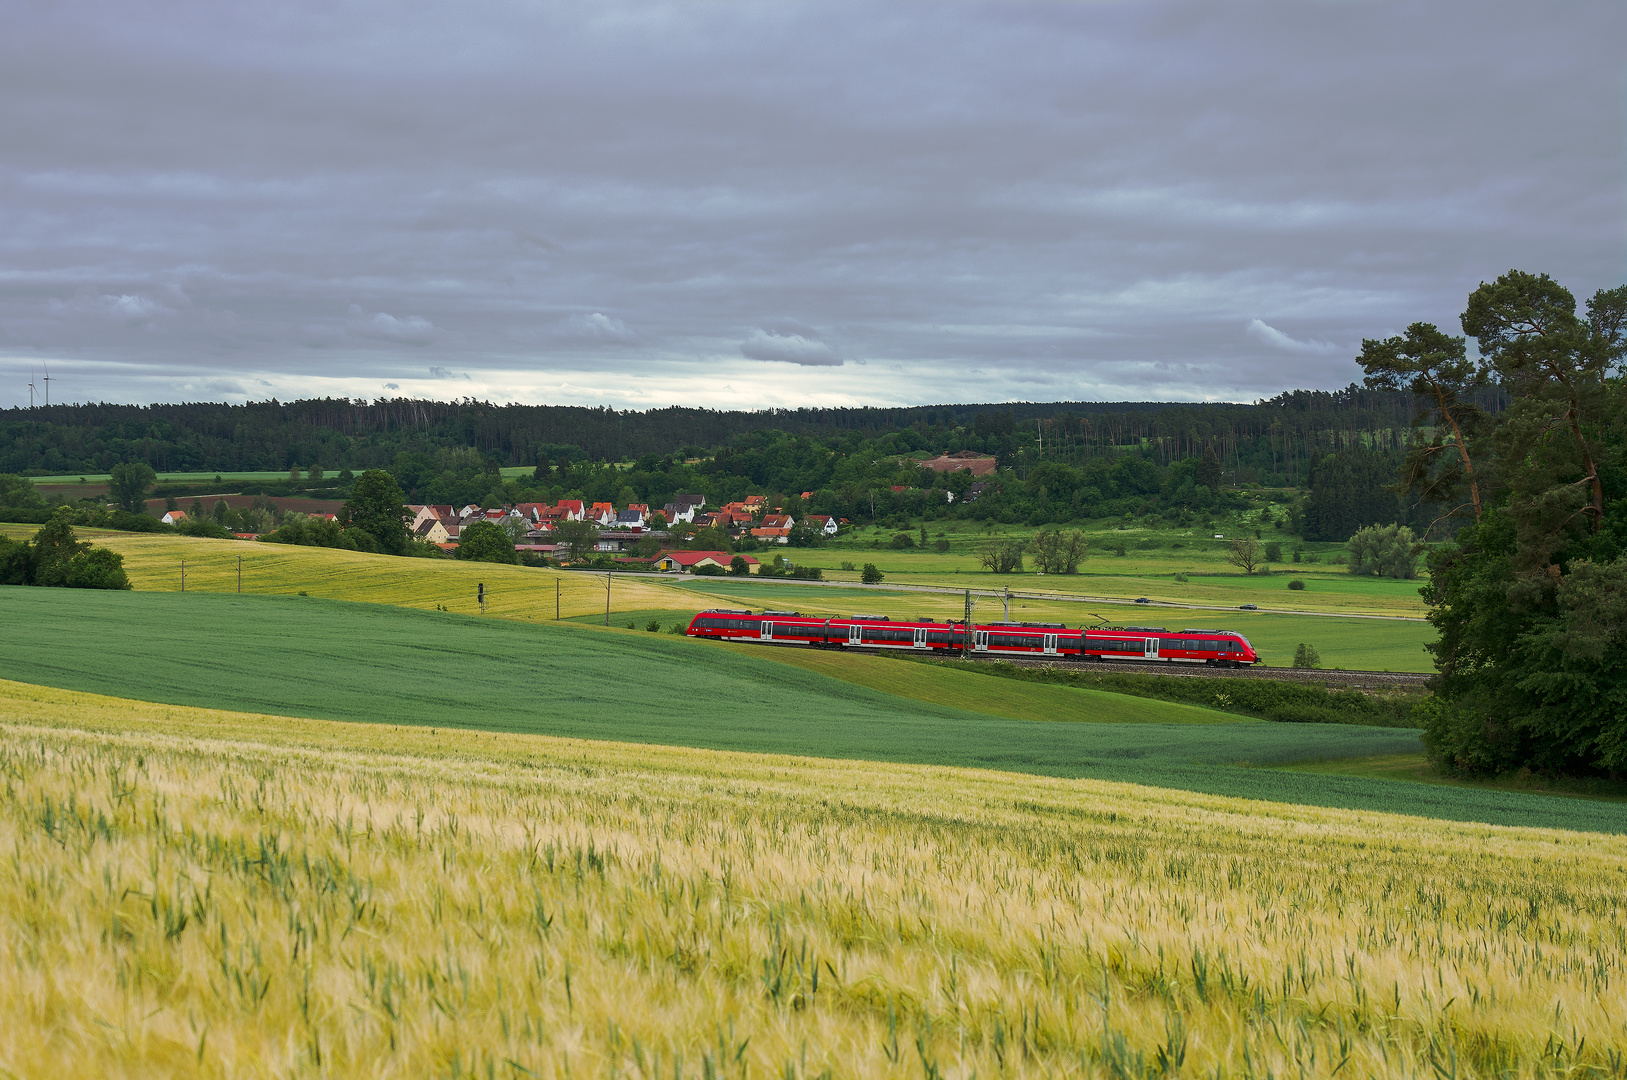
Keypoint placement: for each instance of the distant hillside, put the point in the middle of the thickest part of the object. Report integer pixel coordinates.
(336, 432)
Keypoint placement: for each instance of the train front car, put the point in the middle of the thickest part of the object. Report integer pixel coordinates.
(723, 624)
(1216, 648)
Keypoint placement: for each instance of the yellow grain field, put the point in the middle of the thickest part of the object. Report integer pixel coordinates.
(153, 562)
(196, 893)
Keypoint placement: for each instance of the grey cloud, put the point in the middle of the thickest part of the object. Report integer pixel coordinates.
(596, 327)
(443, 373)
(412, 330)
(789, 349)
(983, 193)
(1264, 331)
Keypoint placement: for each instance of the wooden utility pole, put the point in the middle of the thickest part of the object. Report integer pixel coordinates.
(556, 599)
(607, 599)
(240, 575)
(183, 575)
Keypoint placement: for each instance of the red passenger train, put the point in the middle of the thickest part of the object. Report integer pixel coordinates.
(1222, 648)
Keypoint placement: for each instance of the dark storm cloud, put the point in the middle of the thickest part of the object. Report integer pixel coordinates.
(641, 204)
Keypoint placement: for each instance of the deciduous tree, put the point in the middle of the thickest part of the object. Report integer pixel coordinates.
(128, 483)
(377, 506)
(1245, 553)
(1385, 551)
(485, 541)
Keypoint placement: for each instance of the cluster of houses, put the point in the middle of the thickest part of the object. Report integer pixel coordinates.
(534, 523)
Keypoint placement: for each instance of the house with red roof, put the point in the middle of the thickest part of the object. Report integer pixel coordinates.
(687, 561)
(601, 513)
(573, 509)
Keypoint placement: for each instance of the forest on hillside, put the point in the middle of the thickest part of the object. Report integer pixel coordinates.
(1273, 442)
(1057, 462)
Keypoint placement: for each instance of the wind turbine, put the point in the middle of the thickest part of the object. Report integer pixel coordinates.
(30, 389)
(48, 387)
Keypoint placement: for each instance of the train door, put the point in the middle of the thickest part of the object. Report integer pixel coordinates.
(1050, 644)
(855, 635)
(980, 641)
(766, 631)
(1152, 648)
(920, 637)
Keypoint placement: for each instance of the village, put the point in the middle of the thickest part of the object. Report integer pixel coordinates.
(633, 535)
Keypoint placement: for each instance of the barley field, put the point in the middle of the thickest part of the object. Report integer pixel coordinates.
(198, 893)
(154, 563)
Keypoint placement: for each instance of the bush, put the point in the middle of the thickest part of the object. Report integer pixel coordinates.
(707, 570)
(97, 568)
(848, 566)
(1296, 585)
(940, 546)
(1273, 552)
(870, 575)
(653, 626)
(1307, 657)
(901, 541)
(739, 567)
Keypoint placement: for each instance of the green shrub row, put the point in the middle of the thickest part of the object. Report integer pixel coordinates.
(1263, 699)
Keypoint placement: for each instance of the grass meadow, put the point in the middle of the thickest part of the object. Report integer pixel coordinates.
(197, 893)
(304, 656)
(1154, 556)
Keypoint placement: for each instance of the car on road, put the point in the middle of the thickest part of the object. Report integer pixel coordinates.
(1248, 607)
(1142, 600)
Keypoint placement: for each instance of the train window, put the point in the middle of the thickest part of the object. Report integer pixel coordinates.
(938, 637)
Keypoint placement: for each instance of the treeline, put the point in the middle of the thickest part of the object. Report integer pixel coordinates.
(1531, 596)
(1274, 442)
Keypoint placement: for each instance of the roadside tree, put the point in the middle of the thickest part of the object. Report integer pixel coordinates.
(870, 575)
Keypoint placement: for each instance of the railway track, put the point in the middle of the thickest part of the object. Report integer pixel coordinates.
(1354, 680)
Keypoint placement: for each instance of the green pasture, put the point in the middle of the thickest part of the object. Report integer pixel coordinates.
(1351, 643)
(304, 656)
(167, 478)
(1154, 557)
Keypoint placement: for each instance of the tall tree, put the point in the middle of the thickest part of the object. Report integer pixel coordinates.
(377, 506)
(1531, 602)
(1556, 365)
(1435, 367)
(128, 484)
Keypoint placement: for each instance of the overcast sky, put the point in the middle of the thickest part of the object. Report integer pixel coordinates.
(779, 204)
